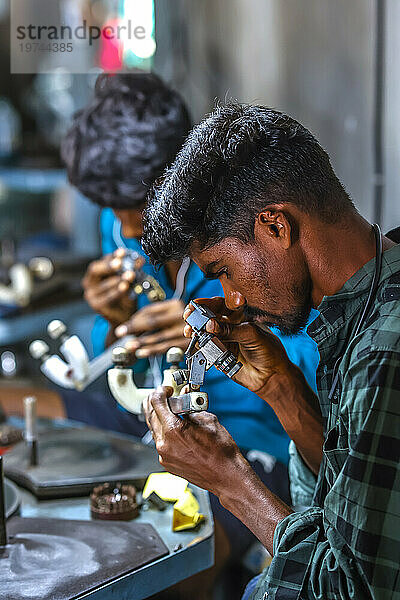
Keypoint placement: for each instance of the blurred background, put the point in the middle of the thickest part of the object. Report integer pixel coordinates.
(332, 64)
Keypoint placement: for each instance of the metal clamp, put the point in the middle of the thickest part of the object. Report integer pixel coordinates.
(144, 283)
(124, 389)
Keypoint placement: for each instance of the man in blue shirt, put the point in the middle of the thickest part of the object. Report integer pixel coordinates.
(115, 150)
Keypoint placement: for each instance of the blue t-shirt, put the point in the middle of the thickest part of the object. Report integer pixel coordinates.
(249, 419)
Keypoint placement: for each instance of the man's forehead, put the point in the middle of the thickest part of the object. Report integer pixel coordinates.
(208, 258)
(226, 249)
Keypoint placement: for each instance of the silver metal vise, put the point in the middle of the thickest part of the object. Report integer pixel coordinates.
(211, 352)
(124, 389)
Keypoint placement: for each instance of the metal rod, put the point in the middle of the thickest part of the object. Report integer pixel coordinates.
(30, 429)
(3, 527)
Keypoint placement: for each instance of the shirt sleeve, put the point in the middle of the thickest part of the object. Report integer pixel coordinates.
(302, 479)
(350, 548)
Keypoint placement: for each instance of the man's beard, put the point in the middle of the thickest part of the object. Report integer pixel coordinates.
(290, 322)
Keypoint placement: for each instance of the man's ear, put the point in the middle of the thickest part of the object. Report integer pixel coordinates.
(274, 224)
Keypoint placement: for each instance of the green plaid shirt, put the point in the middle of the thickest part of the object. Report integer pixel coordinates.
(347, 545)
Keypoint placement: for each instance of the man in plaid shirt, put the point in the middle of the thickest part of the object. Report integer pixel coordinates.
(253, 199)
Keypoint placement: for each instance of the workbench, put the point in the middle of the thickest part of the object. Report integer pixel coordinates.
(190, 551)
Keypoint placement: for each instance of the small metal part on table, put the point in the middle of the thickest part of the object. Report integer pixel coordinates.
(31, 429)
(114, 502)
(155, 501)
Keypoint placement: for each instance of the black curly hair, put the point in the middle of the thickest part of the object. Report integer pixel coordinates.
(120, 143)
(237, 161)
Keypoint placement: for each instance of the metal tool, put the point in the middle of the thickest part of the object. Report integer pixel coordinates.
(31, 429)
(144, 283)
(76, 371)
(211, 351)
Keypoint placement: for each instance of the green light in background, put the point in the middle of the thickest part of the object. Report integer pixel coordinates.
(138, 52)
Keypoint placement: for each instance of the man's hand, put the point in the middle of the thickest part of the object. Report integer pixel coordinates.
(198, 448)
(268, 372)
(159, 325)
(260, 351)
(107, 291)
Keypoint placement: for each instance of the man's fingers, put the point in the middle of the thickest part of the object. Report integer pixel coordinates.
(104, 286)
(145, 322)
(105, 267)
(187, 331)
(109, 295)
(157, 412)
(224, 316)
(159, 315)
(112, 295)
(162, 321)
(244, 333)
(102, 296)
(140, 262)
(152, 421)
(128, 276)
(173, 307)
(165, 335)
(222, 328)
(202, 418)
(119, 252)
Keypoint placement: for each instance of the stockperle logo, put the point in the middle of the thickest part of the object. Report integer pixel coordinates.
(48, 35)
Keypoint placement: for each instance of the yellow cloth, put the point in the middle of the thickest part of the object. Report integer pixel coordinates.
(186, 512)
(174, 489)
(167, 487)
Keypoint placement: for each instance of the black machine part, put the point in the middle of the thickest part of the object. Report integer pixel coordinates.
(59, 559)
(72, 460)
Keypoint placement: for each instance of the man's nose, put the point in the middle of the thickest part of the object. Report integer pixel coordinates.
(233, 298)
